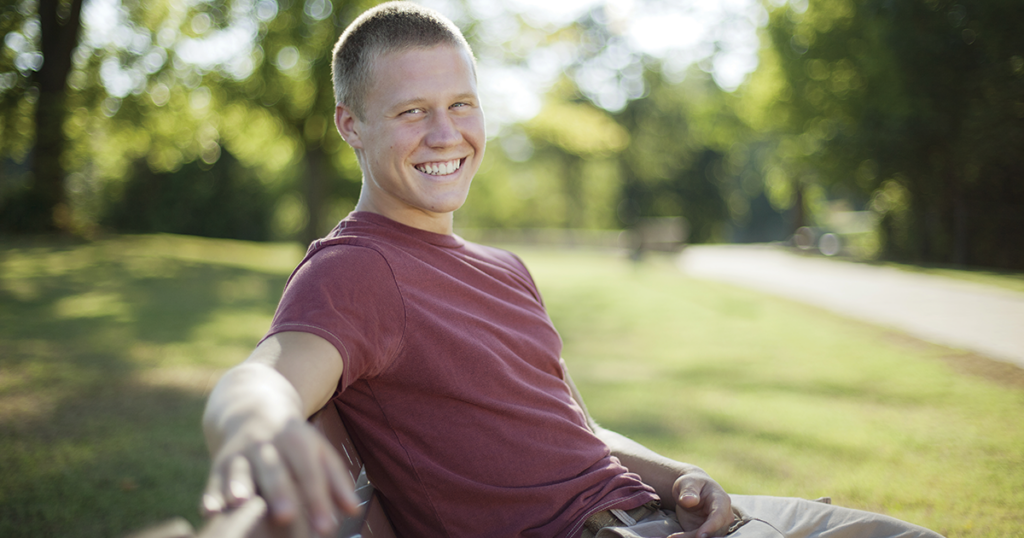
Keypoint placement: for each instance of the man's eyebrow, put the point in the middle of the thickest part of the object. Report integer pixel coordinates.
(407, 103)
(465, 96)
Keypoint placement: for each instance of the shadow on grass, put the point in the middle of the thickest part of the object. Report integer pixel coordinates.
(103, 464)
(98, 435)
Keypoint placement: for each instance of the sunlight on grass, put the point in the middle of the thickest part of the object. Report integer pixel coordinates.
(107, 351)
(91, 305)
(772, 397)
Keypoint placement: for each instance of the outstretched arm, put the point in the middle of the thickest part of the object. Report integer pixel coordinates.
(702, 506)
(256, 430)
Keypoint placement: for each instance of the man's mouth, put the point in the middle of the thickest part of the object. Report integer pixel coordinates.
(440, 168)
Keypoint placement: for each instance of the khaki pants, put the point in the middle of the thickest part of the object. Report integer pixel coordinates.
(777, 517)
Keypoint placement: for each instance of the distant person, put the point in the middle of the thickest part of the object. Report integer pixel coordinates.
(441, 354)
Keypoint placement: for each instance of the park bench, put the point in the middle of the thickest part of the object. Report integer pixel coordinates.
(250, 519)
(375, 523)
(656, 234)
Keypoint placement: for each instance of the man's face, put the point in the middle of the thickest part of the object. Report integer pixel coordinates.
(421, 138)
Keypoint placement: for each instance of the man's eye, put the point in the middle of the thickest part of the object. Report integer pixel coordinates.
(413, 111)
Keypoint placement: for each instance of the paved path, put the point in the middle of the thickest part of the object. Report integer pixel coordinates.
(959, 314)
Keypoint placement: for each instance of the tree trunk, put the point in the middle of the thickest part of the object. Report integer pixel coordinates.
(799, 208)
(46, 208)
(572, 189)
(315, 190)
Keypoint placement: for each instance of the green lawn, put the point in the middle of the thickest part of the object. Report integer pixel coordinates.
(991, 277)
(107, 350)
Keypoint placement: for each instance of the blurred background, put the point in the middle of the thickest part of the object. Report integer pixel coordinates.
(164, 163)
(897, 126)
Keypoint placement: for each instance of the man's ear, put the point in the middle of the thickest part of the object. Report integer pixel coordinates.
(347, 125)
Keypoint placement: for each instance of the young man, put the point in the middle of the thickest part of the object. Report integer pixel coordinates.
(440, 352)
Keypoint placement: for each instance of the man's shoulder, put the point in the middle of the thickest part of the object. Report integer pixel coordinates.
(501, 253)
(354, 240)
(494, 253)
(347, 246)
(347, 259)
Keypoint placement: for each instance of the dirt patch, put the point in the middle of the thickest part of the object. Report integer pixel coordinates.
(967, 362)
(1002, 373)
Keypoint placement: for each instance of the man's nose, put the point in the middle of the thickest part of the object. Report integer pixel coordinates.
(443, 131)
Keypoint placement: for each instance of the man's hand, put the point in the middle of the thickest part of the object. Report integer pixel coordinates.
(703, 508)
(292, 470)
(261, 443)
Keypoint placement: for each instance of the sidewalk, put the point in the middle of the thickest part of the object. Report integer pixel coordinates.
(959, 314)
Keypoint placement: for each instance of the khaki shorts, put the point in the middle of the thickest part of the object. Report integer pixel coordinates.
(776, 517)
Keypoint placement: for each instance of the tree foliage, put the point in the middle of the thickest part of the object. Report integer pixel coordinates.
(918, 106)
(168, 83)
(685, 157)
(913, 110)
(222, 200)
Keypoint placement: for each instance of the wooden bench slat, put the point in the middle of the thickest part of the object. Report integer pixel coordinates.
(375, 523)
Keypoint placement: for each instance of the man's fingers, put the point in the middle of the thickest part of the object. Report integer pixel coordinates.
(238, 487)
(229, 485)
(303, 458)
(690, 491)
(296, 473)
(718, 507)
(719, 520)
(275, 483)
(213, 498)
(703, 508)
(689, 497)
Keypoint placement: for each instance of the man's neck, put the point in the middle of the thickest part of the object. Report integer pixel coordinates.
(439, 223)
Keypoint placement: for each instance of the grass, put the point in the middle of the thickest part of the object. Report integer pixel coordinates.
(107, 351)
(773, 397)
(1013, 281)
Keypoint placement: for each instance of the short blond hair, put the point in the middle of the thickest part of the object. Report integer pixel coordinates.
(389, 27)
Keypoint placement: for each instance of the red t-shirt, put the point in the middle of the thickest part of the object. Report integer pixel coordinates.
(452, 389)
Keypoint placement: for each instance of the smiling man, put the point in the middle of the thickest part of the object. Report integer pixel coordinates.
(418, 134)
(441, 354)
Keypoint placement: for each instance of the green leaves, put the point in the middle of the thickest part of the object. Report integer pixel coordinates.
(925, 94)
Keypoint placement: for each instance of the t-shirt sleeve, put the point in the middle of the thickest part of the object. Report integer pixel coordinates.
(347, 295)
(520, 268)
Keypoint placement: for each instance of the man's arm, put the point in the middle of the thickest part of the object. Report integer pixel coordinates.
(702, 506)
(256, 430)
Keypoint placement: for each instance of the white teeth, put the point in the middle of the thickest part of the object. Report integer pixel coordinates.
(440, 169)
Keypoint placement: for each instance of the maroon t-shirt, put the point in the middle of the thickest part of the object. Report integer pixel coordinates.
(452, 389)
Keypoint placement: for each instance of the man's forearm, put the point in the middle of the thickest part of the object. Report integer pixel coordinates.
(655, 470)
(250, 395)
(256, 430)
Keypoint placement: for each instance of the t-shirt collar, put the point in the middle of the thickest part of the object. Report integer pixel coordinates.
(441, 240)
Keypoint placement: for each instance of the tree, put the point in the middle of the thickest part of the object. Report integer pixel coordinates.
(294, 83)
(270, 105)
(167, 84)
(678, 161)
(573, 132)
(42, 206)
(919, 105)
(664, 148)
